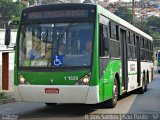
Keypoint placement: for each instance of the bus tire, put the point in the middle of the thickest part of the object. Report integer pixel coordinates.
(142, 89)
(147, 81)
(112, 102)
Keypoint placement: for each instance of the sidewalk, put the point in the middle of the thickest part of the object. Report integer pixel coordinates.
(8, 94)
(8, 98)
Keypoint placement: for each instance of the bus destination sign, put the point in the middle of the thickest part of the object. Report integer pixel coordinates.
(57, 14)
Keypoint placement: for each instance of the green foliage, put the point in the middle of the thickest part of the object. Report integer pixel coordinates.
(49, 1)
(155, 35)
(143, 26)
(124, 13)
(31, 2)
(2, 96)
(10, 10)
(153, 21)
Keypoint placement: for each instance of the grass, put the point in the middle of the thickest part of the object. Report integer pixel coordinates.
(2, 96)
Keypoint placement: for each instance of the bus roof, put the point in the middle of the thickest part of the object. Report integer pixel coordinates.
(59, 5)
(122, 22)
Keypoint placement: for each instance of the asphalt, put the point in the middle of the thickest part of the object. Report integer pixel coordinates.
(140, 107)
(149, 102)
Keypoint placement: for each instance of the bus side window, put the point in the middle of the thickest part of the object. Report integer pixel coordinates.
(103, 41)
(114, 41)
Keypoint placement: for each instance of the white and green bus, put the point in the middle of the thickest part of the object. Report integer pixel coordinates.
(102, 58)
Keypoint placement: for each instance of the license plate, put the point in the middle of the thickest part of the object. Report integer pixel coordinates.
(52, 90)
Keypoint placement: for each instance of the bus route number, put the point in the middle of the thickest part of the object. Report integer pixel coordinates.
(71, 78)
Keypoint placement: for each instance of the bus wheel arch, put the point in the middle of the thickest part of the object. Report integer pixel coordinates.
(116, 83)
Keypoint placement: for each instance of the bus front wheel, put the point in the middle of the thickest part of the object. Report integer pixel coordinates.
(112, 102)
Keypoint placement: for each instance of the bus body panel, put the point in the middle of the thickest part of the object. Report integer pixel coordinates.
(95, 62)
(113, 67)
(53, 78)
(107, 79)
(65, 94)
(147, 66)
(132, 75)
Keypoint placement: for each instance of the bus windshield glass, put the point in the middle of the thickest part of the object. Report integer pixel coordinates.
(56, 44)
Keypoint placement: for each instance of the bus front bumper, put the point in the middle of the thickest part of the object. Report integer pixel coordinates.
(67, 94)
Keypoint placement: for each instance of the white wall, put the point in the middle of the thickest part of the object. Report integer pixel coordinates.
(11, 58)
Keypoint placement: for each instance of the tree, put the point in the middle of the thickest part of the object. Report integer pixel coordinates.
(31, 2)
(143, 26)
(10, 10)
(153, 21)
(48, 1)
(124, 13)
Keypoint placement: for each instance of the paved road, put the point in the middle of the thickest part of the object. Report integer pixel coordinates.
(148, 103)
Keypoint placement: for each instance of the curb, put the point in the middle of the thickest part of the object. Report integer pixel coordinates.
(5, 101)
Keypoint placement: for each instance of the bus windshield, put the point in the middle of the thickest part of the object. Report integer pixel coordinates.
(55, 44)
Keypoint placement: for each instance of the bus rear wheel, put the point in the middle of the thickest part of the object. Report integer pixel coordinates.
(112, 102)
(146, 81)
(144, 87)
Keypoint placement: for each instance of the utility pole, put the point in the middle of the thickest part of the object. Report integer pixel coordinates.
(133, 12)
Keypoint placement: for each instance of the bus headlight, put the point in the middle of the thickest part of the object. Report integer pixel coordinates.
(22, 80)
(85, 80)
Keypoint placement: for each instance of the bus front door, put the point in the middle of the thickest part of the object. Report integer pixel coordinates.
(138, 61)
(123, 39)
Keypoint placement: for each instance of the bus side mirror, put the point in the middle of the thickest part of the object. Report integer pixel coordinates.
(8, 32)
(7, 36)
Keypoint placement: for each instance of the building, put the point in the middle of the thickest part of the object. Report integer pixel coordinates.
(144, 13)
